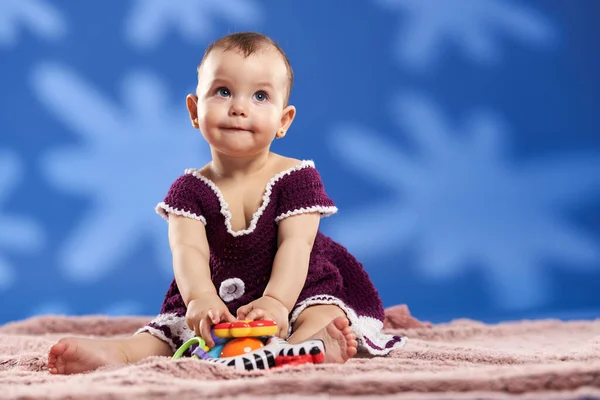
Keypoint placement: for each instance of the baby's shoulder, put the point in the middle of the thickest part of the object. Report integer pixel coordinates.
(202, 172)
(287, 171)
(192, 180)
(281, 163)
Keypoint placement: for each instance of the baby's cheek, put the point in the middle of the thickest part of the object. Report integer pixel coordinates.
(272, 123)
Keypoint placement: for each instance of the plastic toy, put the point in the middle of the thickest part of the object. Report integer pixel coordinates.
(245, 328)
(251, 345)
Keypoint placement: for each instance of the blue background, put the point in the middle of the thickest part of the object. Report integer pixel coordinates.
(460, 140)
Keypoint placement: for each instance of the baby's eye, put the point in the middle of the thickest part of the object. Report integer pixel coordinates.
(223, 92)
(261, 96)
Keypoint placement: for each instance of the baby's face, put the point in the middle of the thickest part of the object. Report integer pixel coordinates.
(241, 100)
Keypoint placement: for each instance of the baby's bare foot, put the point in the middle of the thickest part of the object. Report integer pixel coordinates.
(75, 355)
(340, 342)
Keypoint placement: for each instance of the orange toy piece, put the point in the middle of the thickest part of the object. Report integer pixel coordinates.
(240, 346)
(241, 329)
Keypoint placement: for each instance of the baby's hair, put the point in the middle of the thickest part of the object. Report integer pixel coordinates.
(249, 43)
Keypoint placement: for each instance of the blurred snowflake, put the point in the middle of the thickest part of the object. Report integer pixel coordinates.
(459, 201)
(195, 20)
(128, 156)
(17, 234)
(38, 15)
(473, 26)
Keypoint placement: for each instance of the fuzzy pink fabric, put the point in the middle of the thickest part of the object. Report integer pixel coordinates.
(460, 360)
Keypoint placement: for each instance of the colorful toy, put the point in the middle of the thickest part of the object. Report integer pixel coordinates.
(252, 345)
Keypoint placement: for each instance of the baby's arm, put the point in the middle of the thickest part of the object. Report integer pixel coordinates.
(296, 236)
(189, 246)
(192, 274)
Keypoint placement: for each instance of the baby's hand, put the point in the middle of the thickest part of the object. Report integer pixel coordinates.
(267, 308)
(204, 311)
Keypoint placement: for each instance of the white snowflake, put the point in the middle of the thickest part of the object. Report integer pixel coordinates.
(195, 20)
(39, 16)
(471, 24)
(459, 200)
(127, 157)
(17, 234)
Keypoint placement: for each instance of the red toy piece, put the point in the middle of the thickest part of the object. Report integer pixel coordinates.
(299, 359)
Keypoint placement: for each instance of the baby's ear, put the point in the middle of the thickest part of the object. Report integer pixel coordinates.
(289, 113)
(191, 102)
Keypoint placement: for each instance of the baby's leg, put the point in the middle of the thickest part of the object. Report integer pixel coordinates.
(328, 323)
(74, 355)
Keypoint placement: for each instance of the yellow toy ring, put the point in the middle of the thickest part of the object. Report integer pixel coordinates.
(245, 328)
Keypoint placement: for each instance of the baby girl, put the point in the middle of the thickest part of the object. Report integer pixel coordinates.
(244, 229)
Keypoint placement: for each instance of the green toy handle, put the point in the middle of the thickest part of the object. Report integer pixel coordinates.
(187, 345)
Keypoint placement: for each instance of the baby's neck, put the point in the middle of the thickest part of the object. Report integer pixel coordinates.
(223, 166)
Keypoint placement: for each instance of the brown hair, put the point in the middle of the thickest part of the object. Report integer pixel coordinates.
(249, 43)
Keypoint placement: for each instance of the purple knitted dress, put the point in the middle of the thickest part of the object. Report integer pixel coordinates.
(241, 261)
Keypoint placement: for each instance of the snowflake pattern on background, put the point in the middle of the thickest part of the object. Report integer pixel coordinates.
(458, 200)
(102, 166)
(149, 20)
(38, 16)
(17, 234)
(474, 26)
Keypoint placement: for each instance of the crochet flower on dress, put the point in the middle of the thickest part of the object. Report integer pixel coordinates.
(231, 289)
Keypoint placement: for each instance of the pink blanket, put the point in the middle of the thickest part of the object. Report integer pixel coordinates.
(459, 360)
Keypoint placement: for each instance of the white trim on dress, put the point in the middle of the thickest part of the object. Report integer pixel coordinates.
(163, 209)
(325, 211)
(177, 326)
(265, 200)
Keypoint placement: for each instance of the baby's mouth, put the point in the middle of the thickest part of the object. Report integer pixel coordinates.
(235, 129)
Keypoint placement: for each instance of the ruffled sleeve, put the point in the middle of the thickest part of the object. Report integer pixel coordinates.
(183, 198)
(302, 192)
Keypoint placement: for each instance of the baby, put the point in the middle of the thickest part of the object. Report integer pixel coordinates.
(244, 229)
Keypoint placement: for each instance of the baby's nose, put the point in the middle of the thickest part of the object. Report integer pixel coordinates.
(238, 109)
